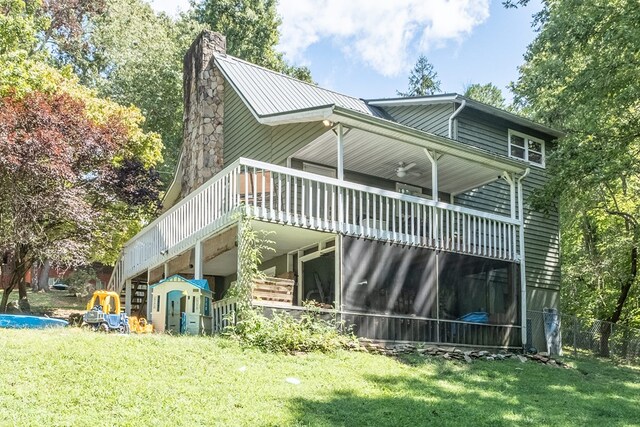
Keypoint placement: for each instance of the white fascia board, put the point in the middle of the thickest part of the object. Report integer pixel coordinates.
(173, 192)
(416, 100)
(300, 116)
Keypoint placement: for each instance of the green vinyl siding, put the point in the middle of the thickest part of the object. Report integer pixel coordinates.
(429, 118)
(244, 136)
(542, 246)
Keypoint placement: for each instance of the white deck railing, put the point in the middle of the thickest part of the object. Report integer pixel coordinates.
(301, 199)
(223, 314)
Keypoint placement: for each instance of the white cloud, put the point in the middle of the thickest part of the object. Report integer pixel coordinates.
(381, 33)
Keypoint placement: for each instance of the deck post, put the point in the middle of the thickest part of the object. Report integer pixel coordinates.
(127, 297)
(197, 261)
(149, 297)
(340, 173)
(512, 192)
(338, 275)
(523, 271)
(433, 158)
(340, 151)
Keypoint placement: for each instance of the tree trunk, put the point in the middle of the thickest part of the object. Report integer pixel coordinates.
(21, 264)
(34, 277)
(622, 298)
(43, 279)
(605, 333)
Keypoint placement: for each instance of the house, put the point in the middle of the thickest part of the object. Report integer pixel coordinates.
(408, 215)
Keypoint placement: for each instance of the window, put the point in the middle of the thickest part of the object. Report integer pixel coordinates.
(158, 304)
(411, 190)
(526, 147)
(319, 170)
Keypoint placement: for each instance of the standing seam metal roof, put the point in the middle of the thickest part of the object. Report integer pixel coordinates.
(269, 92)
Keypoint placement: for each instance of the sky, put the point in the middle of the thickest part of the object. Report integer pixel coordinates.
(367, 48)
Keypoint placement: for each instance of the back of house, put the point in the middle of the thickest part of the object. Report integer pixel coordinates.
(409, 216)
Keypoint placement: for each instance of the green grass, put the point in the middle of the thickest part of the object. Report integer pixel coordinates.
(74, 377)
(53, 303)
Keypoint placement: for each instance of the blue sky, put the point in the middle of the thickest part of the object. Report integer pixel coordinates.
(366, 48)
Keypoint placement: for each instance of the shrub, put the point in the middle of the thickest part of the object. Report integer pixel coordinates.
(283, 333)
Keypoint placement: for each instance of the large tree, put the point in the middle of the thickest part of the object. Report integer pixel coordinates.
(423, 79)
(67, 179)
(76, 170)
(133, 55)
(581, 75)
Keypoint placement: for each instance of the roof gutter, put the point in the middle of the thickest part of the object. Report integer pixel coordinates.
(454, 115)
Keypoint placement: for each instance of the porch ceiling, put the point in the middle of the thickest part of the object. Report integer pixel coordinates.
(285, 239)
(378, 155)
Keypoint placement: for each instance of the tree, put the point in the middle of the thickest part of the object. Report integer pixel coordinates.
(133, 55)
(76, 171)
(580, 75)
(489, 94)
(423, 80)
(251, 29)
(65, 179)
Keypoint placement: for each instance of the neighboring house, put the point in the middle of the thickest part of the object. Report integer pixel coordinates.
(406, 213)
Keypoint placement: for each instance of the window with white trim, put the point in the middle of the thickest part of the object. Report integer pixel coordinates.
(525, 147)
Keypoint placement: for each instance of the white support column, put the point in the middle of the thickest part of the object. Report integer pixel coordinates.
(433, 158)
(340, 172)
(127, 297)
(149, 297)
(340, 150)
(512, 192)
(338, 273)
(523, 270)
(166, 270)
(197, 261)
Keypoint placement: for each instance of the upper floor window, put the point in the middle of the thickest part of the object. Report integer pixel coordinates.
(525, 147)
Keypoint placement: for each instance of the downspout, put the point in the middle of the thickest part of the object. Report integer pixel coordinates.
(454, 115)
(523, 273)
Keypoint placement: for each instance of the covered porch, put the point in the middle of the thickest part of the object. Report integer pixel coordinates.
(359, 183)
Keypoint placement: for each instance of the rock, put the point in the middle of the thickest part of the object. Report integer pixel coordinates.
(483, 353)
(467, 358)
(522, 358)
(490, 358)
(13, 308)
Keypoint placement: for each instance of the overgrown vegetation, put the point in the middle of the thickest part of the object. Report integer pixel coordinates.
(184, 381)
(279, 332)
(581, 76)
(284, 333)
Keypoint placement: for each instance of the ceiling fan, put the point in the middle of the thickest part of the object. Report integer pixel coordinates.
(403, 169)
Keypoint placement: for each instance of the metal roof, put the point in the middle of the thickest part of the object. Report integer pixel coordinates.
(471, 103)
(270, 93)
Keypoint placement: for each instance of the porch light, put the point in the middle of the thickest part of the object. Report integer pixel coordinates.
(327, 122)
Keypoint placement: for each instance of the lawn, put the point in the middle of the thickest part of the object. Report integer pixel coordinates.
(53, 303)
(74, 377)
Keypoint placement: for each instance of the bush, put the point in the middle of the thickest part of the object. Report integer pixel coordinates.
(283, 333)
(80, 282)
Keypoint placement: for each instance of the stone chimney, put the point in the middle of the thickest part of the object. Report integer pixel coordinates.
(203, 88)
